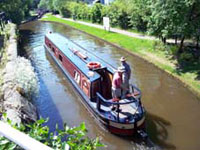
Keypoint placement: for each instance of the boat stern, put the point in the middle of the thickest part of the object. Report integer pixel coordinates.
(126, 129)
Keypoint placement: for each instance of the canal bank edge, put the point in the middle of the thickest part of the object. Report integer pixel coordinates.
(149, 60)
(14, 95)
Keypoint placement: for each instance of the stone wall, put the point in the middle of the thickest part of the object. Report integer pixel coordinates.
(19, 84)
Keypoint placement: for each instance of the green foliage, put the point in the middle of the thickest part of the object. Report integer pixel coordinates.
(46, 5)
(64, 12)
(174, 18)
(43, 4)
(75, 9)
(96, 13)
(170, 51)
(139, 11)
(75, 137)
(16, 10)
(173, 50)
(82, 11)
(118, 15)
(184, 57)
(159, 46)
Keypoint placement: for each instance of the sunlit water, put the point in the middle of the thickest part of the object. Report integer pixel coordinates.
(173, 112)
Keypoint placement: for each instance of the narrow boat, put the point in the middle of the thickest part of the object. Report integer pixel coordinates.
(92, 78)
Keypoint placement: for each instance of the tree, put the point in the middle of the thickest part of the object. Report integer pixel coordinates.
(117, 12)
(174, 17)
(16, 10)
(62, 7)
(139, 11)
(46, 4)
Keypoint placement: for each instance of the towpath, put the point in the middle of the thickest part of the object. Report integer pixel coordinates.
(124, 32)
(131, 34)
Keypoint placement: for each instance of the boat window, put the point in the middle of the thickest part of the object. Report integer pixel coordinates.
(77, 77)
(49, 45)
(60, 57)
(53, 49)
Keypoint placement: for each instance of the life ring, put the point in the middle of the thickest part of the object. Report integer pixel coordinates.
(94, 65)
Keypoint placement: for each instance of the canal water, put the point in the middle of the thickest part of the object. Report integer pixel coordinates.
(173, 112)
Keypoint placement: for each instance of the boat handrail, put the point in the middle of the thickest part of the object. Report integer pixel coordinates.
(100, 98)
(132, 87)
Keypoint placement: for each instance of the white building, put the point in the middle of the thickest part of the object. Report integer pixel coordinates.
(105, 2)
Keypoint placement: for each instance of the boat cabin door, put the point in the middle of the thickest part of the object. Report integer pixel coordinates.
(105, 83)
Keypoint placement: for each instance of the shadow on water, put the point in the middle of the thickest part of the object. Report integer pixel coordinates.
(25, 37)
(52, 112)
(23, 42)
(157, 130)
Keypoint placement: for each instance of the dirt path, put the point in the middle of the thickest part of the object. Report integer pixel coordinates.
(124, 32)
(131, 34)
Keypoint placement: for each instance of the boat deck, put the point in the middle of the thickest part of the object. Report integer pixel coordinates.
(125, 111)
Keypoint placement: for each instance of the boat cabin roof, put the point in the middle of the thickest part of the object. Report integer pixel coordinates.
(69, 49)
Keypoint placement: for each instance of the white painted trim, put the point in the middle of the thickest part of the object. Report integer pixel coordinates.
(121, 126)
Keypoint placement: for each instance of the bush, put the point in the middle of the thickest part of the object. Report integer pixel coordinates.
(25, 77)
(123, 20)
(118, 15)
(75, 137)
(121, 13)
(95, 13)
(113, 14)
(186, 57)
(65, 12)
(83, 11)
(137, 22)
(160, 46)
(173, 50)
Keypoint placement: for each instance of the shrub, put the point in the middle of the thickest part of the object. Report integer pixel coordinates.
(123, 20)
(83, 11)
(173, 50)
(118, 15)
(158, 45)
(65, 12)
(25, 77)
(113, 14)
(186, 57)
(75, 137)
(96, 16)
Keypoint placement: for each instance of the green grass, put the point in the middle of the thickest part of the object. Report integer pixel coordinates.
(140, 47)
(118, 27)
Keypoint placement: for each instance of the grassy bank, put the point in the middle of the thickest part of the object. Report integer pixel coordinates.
(146, 49)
